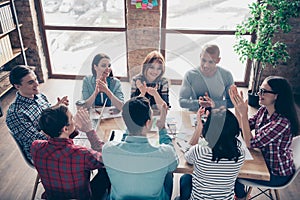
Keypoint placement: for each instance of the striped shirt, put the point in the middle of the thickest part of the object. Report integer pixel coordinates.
(162, 89)
(22, 120)
(211, 179)
(273, 136)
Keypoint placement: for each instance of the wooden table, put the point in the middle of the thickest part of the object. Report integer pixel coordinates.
(253, 169)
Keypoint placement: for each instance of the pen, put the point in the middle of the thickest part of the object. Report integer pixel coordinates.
(178, 144)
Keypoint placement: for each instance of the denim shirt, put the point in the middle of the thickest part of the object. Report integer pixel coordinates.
(138, 169)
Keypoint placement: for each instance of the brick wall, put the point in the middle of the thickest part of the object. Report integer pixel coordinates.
(291, 69)
(143, 35)
(31, 37)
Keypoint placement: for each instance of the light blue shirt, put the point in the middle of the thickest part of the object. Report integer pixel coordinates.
(138, 169)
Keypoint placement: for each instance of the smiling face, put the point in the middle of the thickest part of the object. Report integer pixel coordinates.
(153, 71)
(208, 63)
(266, 98)
(103, 68)
(29, 85)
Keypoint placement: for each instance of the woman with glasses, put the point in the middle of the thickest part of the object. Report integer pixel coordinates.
(275, 124)
(153, 69)
(102, 87)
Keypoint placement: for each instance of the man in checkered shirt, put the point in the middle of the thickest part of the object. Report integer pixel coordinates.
(23, 114)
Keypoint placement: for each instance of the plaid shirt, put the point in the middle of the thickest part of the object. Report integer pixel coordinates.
(273, 136)
(65, 168)
(22, 120)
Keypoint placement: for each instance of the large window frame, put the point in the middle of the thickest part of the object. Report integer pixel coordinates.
(166, 31)
(44, 28)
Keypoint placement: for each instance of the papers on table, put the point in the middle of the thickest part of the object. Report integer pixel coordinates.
(106, 113)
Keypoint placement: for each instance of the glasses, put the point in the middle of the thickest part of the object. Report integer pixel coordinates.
(105, 65)
(264, 91)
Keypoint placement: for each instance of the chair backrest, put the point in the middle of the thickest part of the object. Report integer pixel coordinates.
(296, 151)
(27, 160)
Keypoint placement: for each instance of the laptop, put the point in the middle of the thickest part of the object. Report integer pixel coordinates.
(96, 121)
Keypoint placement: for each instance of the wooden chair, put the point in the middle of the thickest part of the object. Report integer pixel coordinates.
(30, 164)
(266, 190)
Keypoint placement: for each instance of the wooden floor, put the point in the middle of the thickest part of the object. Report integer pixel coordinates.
(16, 178)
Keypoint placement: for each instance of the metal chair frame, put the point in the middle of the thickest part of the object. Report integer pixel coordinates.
(249, 184)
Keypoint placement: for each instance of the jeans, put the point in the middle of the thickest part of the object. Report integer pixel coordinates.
(185, 186)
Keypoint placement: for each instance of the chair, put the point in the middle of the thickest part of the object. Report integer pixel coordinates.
(30, 164)
(263, 188)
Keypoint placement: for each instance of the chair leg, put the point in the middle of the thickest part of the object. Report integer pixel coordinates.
(37, 180)
(277, 194)
(248, 193)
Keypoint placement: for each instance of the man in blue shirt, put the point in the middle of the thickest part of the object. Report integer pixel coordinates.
(138, 170)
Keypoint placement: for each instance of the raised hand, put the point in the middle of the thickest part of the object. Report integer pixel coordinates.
(63, 100)
(160, 123)
(237, 99)
(142, 87)
(83, 121)
(102, 86)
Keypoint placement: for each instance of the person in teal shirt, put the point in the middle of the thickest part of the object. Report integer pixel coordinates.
(102, 85)
(136, 169)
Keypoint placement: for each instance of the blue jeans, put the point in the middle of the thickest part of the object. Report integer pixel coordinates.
(239, 189)
(185, 186)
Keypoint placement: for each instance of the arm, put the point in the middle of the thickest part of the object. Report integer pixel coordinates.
(241, 107)
(164, 138)
(89, 92)
(187, 97)
(83, 123)
(116, 96)
(164, 90)
(23, 130)
(199, 127)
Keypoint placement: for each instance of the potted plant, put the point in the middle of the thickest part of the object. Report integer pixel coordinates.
(267, 17)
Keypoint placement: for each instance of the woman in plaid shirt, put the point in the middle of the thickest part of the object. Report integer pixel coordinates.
(275, 124)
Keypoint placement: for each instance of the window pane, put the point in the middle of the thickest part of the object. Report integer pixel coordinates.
(206, 14)
(98, 13)
(183, 53)
(72, 52)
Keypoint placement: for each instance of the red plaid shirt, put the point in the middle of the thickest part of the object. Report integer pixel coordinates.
(65, 168)
(273, 136)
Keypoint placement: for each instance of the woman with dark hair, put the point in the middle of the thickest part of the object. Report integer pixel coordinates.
(275, 124)
(217, 159)
(151, 75)
(102, 86)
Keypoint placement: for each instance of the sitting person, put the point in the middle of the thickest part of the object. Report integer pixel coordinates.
(138, 170)
(217, 159)
(102, 86)
(275, 124)
(64, 168)
(207, 85)
(23, 114)
(152, 73)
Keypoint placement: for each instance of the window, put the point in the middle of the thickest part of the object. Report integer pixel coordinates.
(191, 24)
(77, 30)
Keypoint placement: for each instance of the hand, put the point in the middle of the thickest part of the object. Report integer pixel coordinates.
(101, 86)
(152, 90)
(83, 121)
(63, 100)
(206, 101)
(237, 99)
(142, 87)
(201, 111)
(160, 123)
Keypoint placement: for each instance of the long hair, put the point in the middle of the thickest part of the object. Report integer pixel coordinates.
(154, 56)
(285, 103)
(96, 61)
(221, 131)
